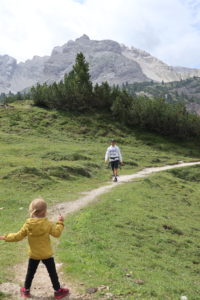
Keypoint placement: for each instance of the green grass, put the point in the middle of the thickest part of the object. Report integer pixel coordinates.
(147, 230)
(2, 296)
(57, 155)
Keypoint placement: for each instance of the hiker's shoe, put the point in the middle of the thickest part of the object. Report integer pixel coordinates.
(25, 293)
(61, 293)
(115, 179)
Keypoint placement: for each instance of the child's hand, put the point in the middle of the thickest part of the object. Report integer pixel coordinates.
(60, 218)
(2, 237)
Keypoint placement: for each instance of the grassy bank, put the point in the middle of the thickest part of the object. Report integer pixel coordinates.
(141, 240)
(57, 155)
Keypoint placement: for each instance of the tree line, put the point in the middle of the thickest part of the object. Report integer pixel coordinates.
(11, 97)
(76, 93)
(187, 90)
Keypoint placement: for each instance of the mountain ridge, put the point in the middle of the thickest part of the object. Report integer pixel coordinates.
(108, 60)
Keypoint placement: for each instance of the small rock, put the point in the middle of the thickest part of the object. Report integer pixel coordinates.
(138, 281)
(60, 208)
(21, 208)
(109, 295)
(184, 298)
(103, 287)
(129, 274)
(58, 265)
(1, 208)
(92, 290)
(167, 227)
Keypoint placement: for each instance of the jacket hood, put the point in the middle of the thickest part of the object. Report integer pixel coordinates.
(38, 226)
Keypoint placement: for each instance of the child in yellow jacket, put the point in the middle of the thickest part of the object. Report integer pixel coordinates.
(38, 230)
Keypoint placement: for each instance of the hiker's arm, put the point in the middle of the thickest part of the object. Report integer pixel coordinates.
(56, 229)
(2, 237)
(120, 156)
(107, 156)
(18, 236)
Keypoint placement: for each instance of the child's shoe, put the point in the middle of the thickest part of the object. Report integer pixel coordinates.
(25, 293)
(61, 293)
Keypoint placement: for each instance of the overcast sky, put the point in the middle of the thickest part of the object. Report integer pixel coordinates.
(167, 29)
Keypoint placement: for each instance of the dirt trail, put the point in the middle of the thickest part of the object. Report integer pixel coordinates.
(41, 288)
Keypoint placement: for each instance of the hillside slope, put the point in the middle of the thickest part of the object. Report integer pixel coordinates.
(58, 155)
(187, 91)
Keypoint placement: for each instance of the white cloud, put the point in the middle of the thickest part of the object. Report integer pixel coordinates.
(168, 29)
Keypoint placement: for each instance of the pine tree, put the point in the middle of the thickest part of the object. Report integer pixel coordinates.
(79, 86)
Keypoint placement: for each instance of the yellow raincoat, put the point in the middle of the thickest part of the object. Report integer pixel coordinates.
(38, 231)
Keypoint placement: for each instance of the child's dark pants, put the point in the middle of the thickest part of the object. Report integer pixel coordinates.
(51, 268)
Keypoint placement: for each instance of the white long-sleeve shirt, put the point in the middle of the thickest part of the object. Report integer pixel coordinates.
(113, 153)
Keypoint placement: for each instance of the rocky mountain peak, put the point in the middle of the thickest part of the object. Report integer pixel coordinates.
(7, 66)
(108, 61)
(84, 37)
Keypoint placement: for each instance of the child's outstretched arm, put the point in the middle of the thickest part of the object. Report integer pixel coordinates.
(57, 228)
(18, 236)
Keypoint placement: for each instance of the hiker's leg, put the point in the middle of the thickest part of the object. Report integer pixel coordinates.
(112, 167)
(116, 172)
(116, 165)
(51, 268)
(32, 267)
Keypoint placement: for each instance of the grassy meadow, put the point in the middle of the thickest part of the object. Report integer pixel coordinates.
(57, 155)
(141, 240)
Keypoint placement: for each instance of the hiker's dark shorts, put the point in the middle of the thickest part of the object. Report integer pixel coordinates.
(114, 164)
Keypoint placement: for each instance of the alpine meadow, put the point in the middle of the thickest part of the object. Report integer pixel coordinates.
(141, 239)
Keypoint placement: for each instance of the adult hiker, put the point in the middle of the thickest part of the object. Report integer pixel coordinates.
(113, 155)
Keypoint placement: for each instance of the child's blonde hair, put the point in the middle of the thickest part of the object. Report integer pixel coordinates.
(38, 208)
